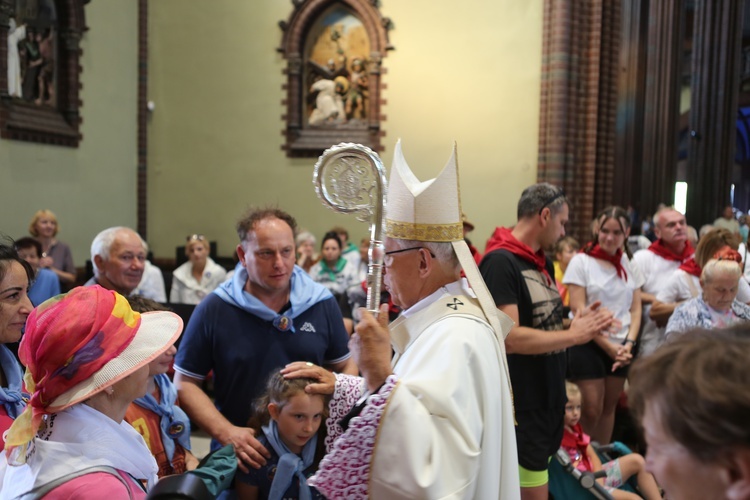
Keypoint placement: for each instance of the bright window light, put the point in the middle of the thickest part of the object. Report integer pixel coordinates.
(680, 196)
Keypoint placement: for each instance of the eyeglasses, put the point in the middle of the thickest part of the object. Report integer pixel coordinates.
(388, 262)
(196, 237)
(560, 194)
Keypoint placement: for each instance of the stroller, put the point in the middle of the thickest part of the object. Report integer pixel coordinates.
(568, 483)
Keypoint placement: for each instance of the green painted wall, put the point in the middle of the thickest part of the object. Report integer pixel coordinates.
(94, 186)
(469, 74)
(467, 71)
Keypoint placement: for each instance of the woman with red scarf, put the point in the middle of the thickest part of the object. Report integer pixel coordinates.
(603, 272)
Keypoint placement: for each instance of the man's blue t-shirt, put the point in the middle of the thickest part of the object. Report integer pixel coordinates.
(242, 349)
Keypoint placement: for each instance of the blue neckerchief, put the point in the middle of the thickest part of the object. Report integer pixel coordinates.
(305, 293)
(174, 423)
(290, 464)
(12, 397)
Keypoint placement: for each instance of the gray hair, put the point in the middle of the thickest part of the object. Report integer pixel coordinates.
(442, 250)
(715, 267)
(305, 236)
(657, 215)
(539, 196)
(705, 229)
(102, 243)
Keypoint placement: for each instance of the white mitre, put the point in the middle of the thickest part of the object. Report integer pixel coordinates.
(423, 211)
(430, 211)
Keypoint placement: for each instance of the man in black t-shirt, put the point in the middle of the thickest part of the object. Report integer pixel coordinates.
(521, 281)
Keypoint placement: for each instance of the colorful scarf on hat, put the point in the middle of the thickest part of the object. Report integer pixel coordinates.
(691, 267)
(59, 355)
(616, 259)
(577, 442)
(174, 423)
(12, 397)
(503, 238)
(290, 464)
(340, 264)
(660, 249)
(304, 294)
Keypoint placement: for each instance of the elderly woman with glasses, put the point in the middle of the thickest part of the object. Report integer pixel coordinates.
(197, 277)
(717, 306)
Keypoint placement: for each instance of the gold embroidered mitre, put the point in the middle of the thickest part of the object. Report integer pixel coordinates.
(423, 211)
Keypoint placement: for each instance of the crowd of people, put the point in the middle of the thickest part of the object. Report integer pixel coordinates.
(477, 368)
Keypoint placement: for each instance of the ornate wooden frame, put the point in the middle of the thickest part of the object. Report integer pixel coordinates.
(301, 139)
(24, 121)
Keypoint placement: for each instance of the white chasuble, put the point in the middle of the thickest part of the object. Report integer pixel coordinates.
(442, 425)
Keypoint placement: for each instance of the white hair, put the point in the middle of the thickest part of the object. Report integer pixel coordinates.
(442, 250)
(102, 243)
(716, 267)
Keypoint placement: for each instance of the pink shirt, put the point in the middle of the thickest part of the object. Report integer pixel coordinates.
(97, 485)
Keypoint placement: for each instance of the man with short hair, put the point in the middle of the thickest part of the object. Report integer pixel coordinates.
(436, 421)
(269, 314)
(727, 221)
(521, 280)
(657, 263)
(119, 257)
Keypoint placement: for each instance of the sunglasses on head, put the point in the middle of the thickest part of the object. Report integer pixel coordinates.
(559, 194)
(196, 237)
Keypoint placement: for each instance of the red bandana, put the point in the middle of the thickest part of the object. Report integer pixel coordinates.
(503, 238)
(579, 441)
(616, 259)
(691, 267)
(660, 249)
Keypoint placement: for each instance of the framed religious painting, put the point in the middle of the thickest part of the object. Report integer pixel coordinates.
(39, 70)
(334, 51)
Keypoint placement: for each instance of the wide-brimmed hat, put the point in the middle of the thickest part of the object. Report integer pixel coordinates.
(78, 344)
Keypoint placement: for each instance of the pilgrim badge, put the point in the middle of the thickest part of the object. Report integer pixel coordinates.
(282, 323)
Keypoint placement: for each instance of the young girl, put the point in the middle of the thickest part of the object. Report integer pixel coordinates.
(583, 457)
(603, 272)
(287, 422)
(565, 249)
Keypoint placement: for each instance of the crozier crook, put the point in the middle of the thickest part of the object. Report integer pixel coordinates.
(350, 178)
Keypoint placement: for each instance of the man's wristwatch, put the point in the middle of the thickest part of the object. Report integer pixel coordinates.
(634, 342)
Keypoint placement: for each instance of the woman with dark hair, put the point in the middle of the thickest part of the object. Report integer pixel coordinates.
(15, 306)
(333, 271)
(602, 272)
